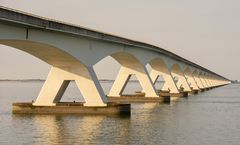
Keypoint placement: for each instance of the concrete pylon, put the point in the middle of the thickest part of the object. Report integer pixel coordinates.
(169, 84)
(212, 82)
(215, 82)
(130, 65)
(58, 80)
(212, 79)
(203, 81)
(190, 79)
(209, 81)
(206, 81)
(124, 76)
(197, 80)
(160, 68)
(182, 82)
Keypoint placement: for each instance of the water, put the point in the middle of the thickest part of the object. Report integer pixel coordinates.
(210, 118)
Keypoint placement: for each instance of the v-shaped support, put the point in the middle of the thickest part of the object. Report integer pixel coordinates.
(169, 84)
(124, 76)
(58, 80)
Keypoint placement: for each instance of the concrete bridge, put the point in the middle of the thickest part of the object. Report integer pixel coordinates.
(72, 51)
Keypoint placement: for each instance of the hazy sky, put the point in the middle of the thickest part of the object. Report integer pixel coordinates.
(206, 32)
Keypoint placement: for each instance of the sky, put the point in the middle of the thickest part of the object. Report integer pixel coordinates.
(206, 32)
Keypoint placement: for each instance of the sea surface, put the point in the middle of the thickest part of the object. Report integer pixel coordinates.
(210, 118)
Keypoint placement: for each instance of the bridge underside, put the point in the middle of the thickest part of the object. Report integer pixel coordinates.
(66, 68)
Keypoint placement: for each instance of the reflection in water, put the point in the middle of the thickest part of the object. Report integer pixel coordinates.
(48, 127)
(62, 129)
(208, 118)
(75, 129)
(144, 115)
(152, 122)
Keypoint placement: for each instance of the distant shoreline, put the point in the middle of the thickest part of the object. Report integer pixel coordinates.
(23, 80)
(37, 80)
(42, 80)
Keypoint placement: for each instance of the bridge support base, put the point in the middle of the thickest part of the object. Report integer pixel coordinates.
(193, 92)
(72, 108)
(181, 94)
(203, 90)
(164, 96)
(185, 94)
(139, 99)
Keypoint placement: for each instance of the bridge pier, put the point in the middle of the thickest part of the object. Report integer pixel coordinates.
(198, 80)
(54, 87)
(124, 76)
(160, 68)
(58, 80)
(203, 81)
(182, 83)
(192, 82)
(169, 84)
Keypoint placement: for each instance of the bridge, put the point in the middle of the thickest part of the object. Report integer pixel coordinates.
(73, 50)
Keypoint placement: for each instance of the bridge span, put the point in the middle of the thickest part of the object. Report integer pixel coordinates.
(73, 50)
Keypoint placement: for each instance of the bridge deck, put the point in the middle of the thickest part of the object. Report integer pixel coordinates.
(27, 20)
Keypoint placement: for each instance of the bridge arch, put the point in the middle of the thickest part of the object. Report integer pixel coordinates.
(206, 80)
(130, 65)
(127, 60)
(159, 67)
(196, 77)
(190, 78)
(47, 53)
(201, 76)
(182, 83)
(65, 68)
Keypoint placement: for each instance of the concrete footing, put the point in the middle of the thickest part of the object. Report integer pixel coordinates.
(172, 94)
(202, 90)
(72, 108)
(184, 94)
(193, 92)
(163, 94)
(139, 99)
